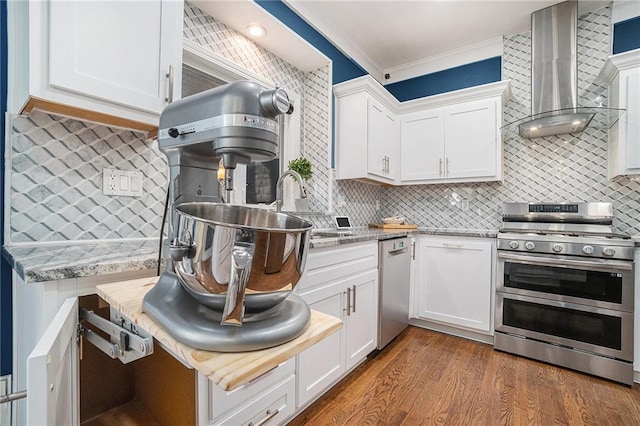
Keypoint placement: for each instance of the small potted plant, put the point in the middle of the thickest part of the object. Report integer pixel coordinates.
(303, 167)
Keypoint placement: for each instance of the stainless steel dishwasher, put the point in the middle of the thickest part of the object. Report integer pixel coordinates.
(393, 302)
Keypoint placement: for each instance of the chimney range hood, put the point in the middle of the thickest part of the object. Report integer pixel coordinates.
(554, 82)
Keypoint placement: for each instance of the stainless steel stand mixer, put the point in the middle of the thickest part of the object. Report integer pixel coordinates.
(230, 269)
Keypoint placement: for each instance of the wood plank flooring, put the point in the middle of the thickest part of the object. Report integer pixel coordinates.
(426, 377)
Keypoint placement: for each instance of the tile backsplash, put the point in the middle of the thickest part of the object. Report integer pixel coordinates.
(56, 163)
(56, 181)
(557, 168)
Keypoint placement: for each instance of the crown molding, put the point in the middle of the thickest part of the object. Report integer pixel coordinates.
(346, 46)
(453, 58)
(619, 62)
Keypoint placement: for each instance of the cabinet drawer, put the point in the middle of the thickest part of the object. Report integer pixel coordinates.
(221, 401)
(272, 407)
(328, 264)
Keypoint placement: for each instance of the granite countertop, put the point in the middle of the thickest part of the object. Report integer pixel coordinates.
(227, 370)
(47, 262)
(50, 262)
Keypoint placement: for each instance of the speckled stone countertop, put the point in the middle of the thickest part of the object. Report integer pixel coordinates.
(45, 262)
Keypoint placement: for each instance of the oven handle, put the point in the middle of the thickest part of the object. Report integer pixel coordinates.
(565, 263)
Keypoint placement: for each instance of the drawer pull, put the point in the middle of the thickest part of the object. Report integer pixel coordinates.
(269, 416)
(13, 397)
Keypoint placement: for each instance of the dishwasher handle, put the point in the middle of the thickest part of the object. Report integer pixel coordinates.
(397, 252)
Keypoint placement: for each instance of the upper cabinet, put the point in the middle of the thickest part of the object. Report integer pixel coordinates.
(453, 137)
(622, 74)
(366, 132)
(115, 63)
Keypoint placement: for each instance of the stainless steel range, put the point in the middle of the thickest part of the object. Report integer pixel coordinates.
(565, 288)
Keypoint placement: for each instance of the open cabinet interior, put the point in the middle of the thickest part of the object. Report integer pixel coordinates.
(156, 389)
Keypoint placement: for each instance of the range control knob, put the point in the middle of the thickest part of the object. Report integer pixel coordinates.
(557, 248)
(173, 132)
(514, 244)
(587, 249)
(608, 251)
(529, 245)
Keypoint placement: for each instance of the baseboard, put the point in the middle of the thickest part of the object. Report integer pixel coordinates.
(460, 332)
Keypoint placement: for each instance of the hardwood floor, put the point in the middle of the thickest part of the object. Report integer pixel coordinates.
(426, 377)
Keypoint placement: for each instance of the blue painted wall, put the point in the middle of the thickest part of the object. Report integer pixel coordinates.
(469, 75)
(626, 35)
(343, 67)
(5, 269)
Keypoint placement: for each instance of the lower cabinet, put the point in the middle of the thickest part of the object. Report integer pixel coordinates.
(71, 382)
(454, 281)
(350, 293)
(268, 399)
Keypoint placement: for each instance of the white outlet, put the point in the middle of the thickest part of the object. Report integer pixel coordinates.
(121, 182)
(464, 205)
(377, 204)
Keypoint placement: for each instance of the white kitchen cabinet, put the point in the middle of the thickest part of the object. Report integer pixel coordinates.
(454, 281)
(61, 392)
(451, 137)
(34, 307)
(636, 320)
(115, 63)
(328, 285)
(457, 143)
(622, 74)
(367, 132)
(270, 398)
(382, 137)
(422, 146)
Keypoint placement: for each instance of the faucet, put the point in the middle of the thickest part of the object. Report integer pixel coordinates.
(280, 191)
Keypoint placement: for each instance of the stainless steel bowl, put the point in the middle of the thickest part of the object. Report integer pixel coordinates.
(231, 258)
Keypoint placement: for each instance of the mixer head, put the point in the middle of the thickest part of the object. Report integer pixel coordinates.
(235, 122)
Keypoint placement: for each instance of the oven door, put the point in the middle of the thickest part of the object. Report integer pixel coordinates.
(599, 283)
(596, 330)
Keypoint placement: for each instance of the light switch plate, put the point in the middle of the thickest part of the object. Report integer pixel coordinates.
(121, 182)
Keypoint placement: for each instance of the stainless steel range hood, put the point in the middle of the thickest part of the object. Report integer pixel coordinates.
(554, 81)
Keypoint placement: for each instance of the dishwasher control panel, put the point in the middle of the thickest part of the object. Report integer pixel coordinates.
(398, 245)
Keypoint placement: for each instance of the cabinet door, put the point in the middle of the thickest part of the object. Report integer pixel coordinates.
(52, 372)
(632, 122)
(117, 52)
(381, 141)
(422, 146)
(455, 282)
(362, 317)
(471, 133)
(323, 363)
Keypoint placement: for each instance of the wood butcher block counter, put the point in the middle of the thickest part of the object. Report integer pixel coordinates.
(227, 370)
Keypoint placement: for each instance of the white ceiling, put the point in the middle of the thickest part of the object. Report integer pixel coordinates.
(399, 36)
(404, 38)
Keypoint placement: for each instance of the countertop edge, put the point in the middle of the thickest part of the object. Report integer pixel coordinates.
(46, 262)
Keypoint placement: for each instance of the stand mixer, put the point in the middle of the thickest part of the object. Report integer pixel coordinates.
(230, 269)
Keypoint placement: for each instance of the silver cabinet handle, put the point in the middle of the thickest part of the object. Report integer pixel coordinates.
(348, 301)
(269, 416)
(452, 246)
(384, 164)
(440, 167)
(413, 250)
(13, 397)
(169, 75)
(353, 307)
(447, 168)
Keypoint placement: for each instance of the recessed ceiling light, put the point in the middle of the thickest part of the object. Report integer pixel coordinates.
(256, 30)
